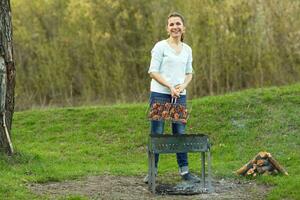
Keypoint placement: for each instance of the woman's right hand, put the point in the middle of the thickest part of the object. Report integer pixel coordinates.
(174, 92)
(156, 76)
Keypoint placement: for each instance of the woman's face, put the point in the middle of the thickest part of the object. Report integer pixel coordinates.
(175, 27)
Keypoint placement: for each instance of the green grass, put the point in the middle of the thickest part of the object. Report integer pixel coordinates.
(68, 143)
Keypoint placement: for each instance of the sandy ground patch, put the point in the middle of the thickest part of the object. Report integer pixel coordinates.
(121, 187)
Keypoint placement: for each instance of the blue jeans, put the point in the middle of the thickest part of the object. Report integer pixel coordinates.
(157, 127)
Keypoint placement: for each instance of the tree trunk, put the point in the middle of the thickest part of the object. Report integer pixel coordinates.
(7, 77)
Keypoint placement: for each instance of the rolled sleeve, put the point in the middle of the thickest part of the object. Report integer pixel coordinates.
(156, 59)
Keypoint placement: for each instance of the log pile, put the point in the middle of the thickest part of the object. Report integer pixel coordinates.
(168, 111)
(263, 163)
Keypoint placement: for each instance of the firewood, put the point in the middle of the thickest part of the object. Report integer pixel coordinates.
(155, 105)
(274, 172)
(176, 116)
(250, 171)
(183, 121)
(181, 108)
(277, 166)
(172, 111)
(254, 166)
(165, 114)
(184, 114)
(161, 108)
(262, 162)
(247, 166)
(264, 154)
(156, 117)
(168, 111)
(168, 106)
(262, 169)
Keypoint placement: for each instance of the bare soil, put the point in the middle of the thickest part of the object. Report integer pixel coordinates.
(124, 187)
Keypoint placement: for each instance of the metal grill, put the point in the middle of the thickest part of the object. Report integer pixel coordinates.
(180, 144)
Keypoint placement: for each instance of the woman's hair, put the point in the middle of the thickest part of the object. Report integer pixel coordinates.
(176, 14)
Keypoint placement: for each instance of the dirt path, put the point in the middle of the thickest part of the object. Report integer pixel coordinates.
(119, 187)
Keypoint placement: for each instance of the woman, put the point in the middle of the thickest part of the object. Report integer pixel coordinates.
(171, 72)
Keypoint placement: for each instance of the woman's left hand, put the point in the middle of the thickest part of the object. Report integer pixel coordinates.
(180, 87)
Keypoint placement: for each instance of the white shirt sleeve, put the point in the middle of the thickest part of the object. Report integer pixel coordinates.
(189, 67)
(156, 58)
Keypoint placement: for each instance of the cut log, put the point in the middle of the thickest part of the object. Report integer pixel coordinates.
(250, 171)
(247, 166)
(262, 162)
(156, 117)
(264, 154)
(277, 166)
(262, 169)
(275, 172)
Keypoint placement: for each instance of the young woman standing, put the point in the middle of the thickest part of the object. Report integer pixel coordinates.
(171, 72)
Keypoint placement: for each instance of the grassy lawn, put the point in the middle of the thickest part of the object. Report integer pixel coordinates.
(68, 143)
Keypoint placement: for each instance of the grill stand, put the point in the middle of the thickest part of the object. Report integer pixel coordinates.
(180, 144)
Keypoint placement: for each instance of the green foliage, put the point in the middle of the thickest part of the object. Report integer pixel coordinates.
(68, 143)
(73, 52)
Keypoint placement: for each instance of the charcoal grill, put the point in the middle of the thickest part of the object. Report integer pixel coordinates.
(164, 144)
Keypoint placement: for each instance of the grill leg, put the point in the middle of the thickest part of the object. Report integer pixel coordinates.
(151, 182)
(210, 188)
(203, 168)
(149, 170)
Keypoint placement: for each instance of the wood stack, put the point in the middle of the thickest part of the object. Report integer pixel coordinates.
(168, 111)
(263, 163)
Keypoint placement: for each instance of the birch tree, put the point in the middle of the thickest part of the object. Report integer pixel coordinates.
(7, 77)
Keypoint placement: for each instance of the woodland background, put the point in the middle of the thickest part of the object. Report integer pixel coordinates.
(76, 52)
